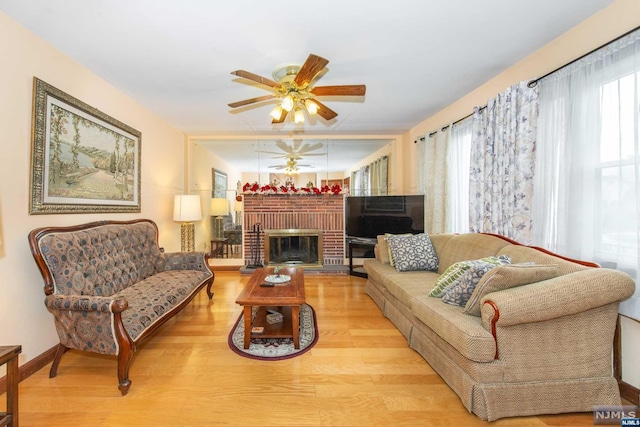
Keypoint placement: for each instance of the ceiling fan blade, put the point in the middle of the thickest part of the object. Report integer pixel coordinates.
(251, 101)
(283, 146)
(307, 147)
(346, 90)
(256, 78)
(312, 66)
(324, 111)
(283, 116)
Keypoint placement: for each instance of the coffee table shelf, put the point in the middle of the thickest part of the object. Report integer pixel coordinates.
(282, 329)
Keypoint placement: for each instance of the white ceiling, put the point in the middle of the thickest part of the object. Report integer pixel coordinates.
(415, 56)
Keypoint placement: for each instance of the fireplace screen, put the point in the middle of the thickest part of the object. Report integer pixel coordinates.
(293, 247)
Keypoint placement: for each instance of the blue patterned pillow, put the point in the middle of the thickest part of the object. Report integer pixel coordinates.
(460, 293)
(452, 275)
(413, 252)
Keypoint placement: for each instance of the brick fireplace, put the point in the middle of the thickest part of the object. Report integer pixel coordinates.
(297, 211)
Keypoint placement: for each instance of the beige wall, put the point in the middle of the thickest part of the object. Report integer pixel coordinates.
(201, 161)
(23, 317)
(620, 17)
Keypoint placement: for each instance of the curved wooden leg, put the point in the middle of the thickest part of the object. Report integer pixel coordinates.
(124, 361)
(210, 284)
(56, 360)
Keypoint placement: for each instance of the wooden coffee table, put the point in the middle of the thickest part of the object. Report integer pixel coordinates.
(285, 298)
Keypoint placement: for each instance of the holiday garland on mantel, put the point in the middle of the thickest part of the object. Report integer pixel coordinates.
(255, 188)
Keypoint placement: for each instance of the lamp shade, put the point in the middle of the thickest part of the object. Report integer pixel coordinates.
(237, 206)
(186, 208)
(219, 207)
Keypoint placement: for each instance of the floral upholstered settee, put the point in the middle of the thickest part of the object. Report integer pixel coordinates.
(535, 335)
(109, 286)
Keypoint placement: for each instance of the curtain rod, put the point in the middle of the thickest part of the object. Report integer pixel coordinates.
(534, 82)
(422, 138)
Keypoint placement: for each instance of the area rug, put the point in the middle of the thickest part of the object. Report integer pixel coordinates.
(276, 348)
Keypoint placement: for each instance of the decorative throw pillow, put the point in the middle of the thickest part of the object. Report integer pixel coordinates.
(386, 237)
(508, 276)
(460, 293)
(413, 252)
(451, 276)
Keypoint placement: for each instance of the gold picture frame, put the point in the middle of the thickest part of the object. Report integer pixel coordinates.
(82, 160)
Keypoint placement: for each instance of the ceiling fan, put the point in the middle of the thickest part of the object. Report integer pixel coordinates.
(292, 86)
(291, 164)
(296, 150)
(291, 167)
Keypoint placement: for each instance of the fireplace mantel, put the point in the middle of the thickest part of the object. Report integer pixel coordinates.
(298, 211)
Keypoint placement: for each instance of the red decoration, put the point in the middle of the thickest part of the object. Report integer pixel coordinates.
(283, 189)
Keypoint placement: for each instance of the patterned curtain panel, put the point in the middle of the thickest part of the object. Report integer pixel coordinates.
(502, 164)
(435, 185)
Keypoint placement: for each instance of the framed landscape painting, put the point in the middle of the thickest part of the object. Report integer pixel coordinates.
(82, 160)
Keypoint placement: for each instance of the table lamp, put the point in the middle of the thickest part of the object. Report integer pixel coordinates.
(219, 209)
(186, 209)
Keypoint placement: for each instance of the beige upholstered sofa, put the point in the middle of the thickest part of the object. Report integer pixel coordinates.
(109, 286)
(539, 348)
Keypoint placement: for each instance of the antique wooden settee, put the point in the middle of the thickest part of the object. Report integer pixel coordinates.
(109, 286)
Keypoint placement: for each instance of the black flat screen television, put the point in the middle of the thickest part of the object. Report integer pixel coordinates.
(369, 216)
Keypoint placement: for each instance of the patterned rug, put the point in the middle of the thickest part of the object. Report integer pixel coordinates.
(276, 348)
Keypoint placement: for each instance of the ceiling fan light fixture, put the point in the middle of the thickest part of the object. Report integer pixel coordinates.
(287, 103)
(311, 106)
(298, 116)
(276, 112)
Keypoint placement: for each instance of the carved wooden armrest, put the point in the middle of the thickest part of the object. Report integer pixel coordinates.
(86, 303)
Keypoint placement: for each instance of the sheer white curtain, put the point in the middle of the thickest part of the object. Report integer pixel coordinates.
(371, 180)
(420, 156)
(587, 197)
(458, 163)
(379, 176)
(435, 181)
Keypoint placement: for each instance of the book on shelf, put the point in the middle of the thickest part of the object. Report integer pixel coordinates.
(257, 329)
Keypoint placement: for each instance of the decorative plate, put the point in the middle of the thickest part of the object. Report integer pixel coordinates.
(274, 278)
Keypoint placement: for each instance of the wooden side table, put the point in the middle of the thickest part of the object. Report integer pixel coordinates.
(360, 244)
(219, 248)
(9, 357)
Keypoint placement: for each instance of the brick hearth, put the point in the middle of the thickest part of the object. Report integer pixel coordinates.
(278, 211)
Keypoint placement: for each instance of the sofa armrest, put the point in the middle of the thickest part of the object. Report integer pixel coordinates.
(186, 261)
(85, 303)
(561, 296)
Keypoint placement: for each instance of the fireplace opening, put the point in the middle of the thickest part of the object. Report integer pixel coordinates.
(294, 247)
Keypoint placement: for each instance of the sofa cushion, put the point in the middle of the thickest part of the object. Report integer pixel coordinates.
(508, 276)
(452, 275)
(403, 286)
(459, 293)
(151, 299)
(413, 252)
(465, 333)
(382, 251)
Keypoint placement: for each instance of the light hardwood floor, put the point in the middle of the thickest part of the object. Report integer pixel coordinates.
(360, 373)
